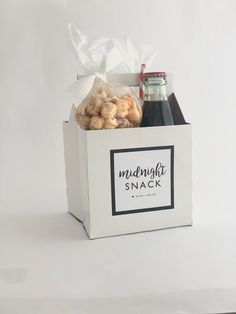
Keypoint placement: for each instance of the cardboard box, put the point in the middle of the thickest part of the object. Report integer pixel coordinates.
(129, 180)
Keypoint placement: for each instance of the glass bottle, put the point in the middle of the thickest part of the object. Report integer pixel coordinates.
(156, 108)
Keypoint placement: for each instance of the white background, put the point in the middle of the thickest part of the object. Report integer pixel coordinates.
(46, 261)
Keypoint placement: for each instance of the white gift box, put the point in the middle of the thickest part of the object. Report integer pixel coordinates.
(129, 180)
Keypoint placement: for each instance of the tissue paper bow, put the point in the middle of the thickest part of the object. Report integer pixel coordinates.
(97, 58)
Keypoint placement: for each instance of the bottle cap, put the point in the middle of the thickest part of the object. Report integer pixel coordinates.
(155, 74)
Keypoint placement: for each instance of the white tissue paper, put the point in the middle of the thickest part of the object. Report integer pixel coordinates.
(98, 57)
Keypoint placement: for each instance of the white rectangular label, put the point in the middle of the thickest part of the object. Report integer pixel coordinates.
(142, 179)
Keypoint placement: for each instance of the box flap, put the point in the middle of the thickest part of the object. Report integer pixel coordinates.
(72, 114)
(72, 166)
(175, 110)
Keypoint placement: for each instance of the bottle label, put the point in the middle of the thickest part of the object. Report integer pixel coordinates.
(142, 179)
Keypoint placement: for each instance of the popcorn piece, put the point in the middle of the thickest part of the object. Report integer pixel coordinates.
(113, 99)
(109, 93)
(110, 123)
(82, 107)
(124, 123)
(83, 120)
(122, 108)
(125, 102)
(94, 106)
(104, 92)
(128, 98)
(108, 110)
(96, 123)
(135, 114)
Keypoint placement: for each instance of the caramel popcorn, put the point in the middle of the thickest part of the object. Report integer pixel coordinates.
(94, 106)
(135, 114)
(83, 120)
(96, 123)
(122, 108)
(108, 110)
(110, 123)
(124, 123)
(104, 110)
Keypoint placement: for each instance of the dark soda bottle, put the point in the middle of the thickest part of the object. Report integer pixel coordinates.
(156, 108)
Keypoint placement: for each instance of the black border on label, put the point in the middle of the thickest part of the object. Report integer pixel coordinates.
(141, 210)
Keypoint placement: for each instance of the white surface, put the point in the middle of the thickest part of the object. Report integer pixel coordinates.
(46, 261)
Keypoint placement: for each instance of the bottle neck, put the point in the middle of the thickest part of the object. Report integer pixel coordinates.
(155, 89)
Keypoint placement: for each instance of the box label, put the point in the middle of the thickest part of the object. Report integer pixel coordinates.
(142, 179)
